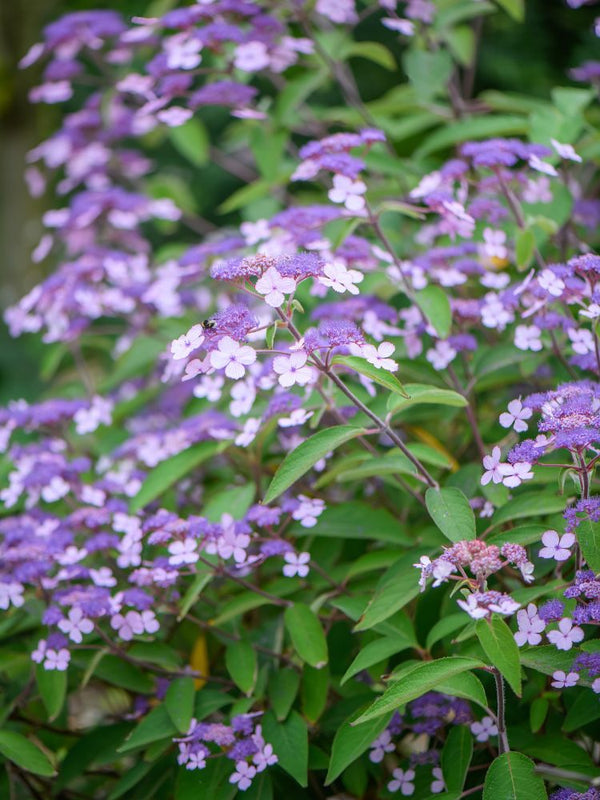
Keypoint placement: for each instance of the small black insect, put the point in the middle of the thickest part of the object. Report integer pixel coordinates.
(208, 324)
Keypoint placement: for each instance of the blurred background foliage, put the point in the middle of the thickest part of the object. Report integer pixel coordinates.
(552, 39)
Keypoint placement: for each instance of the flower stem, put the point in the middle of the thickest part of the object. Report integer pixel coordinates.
(383, 427)
(503, 746)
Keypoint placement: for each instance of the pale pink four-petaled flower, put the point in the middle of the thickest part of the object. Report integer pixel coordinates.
(515, 474)
(233, 357)
(243, 775)
(403, 781)
(551, 283)
(380, 746)
(293, 369)
(438, 783)
(349, 192)
(308, 510)
(564, 680)
(515, 416)
(493, 466)
(556, 546)
(57, 659)
(297, 564)
(484, 729)
(183, 552)
(528, 337)
(530, 626)
(75, 624)
(188, 342)
(380, 356)
(274, 287)
(338, 277)
(566, 636)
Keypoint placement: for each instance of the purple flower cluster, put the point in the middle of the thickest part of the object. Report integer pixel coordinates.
(242, 742)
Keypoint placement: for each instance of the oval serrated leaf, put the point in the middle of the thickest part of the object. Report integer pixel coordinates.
(422, 678)
(380, 376)
(451, 512)
(351, 741)
(511, 776)
(421, 394)
(306, 634)
(302, 458)
(500, 647)
(376, 651)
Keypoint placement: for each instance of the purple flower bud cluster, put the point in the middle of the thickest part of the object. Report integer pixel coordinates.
(481, 560)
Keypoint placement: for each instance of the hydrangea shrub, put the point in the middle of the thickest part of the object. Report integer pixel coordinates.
(310, 507)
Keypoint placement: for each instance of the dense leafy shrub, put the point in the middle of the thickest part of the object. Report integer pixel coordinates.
(310, 509)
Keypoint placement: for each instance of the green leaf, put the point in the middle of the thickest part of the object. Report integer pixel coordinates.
(433, 302)
(234, 500)
(466, 685)
(428, 72)
(290, 744)
(512, 776)
(538, 711)
(262, 787)
(500, 647)
(52, 685)
(588, 536)
(306, 634)
(25, 754)
(456, 757)
(451, 512)
(372, 51)
(157, 724)
(584, 710)
(168, 472)
(546, 659)
(444, 627)
(210, 782)
(241, 663)
(472, 128)
(421, 394)
(379, 376)
(397, 587)
(113, 669)
(524, 248)
(421, 679)
(302, 458)
(461, 41)
(514, 8)
(356, 520)
(529, 504)
(99, 745)
(283, 688)
(179, 701)
(315, 688)
(376, 651)
(131, 777)
(202, 577)
(351, 741)
(192, 141)
(248, 194)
